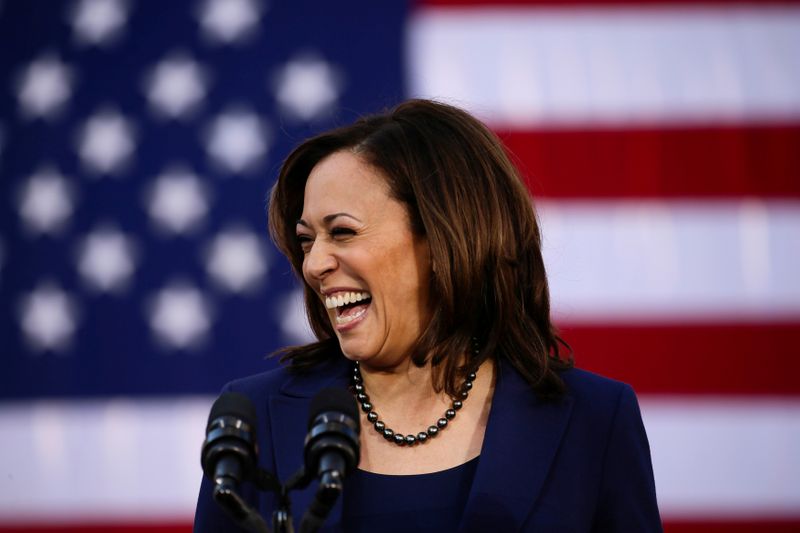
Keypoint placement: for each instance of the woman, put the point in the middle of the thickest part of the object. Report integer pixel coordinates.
(424, 282)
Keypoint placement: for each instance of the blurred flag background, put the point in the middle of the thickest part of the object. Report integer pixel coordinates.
(139, 140)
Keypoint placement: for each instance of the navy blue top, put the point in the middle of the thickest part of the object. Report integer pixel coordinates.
(578, 464)
(423, 502)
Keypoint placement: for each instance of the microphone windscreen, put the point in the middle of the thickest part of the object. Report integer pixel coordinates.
(333, 399)
(233, 404)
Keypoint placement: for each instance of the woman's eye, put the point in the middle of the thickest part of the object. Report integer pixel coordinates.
(342, 232)
(305, 242)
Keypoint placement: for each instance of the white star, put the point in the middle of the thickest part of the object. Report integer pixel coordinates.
(47, 317)
(236, 260)
(237, 140)
(307, 87)
(44, 87)
(106, 142)
(45, 202)
(227, 21)
(180, 316)
(99, 22)
(293, 319)
(106, 259)
(176, 86)
(177, 201)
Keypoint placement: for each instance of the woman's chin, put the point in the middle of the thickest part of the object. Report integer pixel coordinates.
(353, 351)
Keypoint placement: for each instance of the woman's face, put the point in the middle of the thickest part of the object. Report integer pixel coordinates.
(363, 260)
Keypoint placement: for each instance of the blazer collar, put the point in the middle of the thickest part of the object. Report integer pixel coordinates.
(289, 420)
(333, 373)
(521, 440)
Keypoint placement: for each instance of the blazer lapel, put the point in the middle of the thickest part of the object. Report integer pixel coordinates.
(522, 437)
(289, 424)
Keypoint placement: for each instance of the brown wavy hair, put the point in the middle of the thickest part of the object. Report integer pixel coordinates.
(465, 196)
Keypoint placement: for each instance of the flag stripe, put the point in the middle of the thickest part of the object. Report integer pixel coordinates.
(95, 460)
(766, 525)
(700, 359)
(658, 163)
(742, 526)
(521, 68)
(725, 456)
(582, 4)
(102, 527)
(679, 261)
(762, 526)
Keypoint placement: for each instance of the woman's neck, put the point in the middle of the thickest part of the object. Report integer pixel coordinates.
(407, 403)
(405, 382)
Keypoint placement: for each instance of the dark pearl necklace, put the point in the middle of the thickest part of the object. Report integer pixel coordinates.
(398, 438)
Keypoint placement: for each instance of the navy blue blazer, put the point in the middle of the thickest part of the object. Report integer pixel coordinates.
(581, 464)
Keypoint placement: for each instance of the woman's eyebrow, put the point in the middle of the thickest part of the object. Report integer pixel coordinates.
(327, 219)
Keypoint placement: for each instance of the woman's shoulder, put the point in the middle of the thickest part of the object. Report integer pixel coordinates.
(583, 383)
(600, 398)
(585, 392)
(264, 383)
(284, 379)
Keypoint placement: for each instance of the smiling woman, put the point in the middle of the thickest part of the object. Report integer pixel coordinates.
(420, 253)
(369, 249)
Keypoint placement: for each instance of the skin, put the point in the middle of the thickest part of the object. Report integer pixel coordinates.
(356, 237)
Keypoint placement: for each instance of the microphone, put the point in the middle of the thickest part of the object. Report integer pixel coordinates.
(331, 450)
(229, 456)
(229, 451)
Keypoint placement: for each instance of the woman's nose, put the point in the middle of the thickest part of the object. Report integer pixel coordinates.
(319, 261)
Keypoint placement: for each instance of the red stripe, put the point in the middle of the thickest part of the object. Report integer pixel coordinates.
(692, 359)
(691, 162)
(183, 527)
(583, 3)
(763, 526)
(755, 526)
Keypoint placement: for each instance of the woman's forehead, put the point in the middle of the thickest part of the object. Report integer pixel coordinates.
(340, 178)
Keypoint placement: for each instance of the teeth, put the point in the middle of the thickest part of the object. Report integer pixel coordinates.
(332, 302)
(347, 319)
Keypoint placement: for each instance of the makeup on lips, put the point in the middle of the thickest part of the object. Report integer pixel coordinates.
(349, 305)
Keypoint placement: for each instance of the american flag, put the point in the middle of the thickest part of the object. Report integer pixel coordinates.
(139, 140)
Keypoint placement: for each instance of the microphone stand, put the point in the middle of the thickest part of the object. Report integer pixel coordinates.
(226, 495)
(228, 498)
(328, 491)
(330, 487)
(282, 516)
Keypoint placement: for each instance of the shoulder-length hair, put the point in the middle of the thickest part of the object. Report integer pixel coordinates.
(465, 196)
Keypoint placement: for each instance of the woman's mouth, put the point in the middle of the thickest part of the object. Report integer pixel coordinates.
(349, 306)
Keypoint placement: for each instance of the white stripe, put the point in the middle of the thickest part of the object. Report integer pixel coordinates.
(725, 457)
(652, 261)
(92, 460)
(139, 460)
(518, 67)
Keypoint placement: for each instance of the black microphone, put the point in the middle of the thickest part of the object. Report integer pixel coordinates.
(229, 456)
(331, 450)
(229, 451)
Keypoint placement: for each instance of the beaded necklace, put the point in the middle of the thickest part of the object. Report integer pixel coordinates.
(423, 436)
